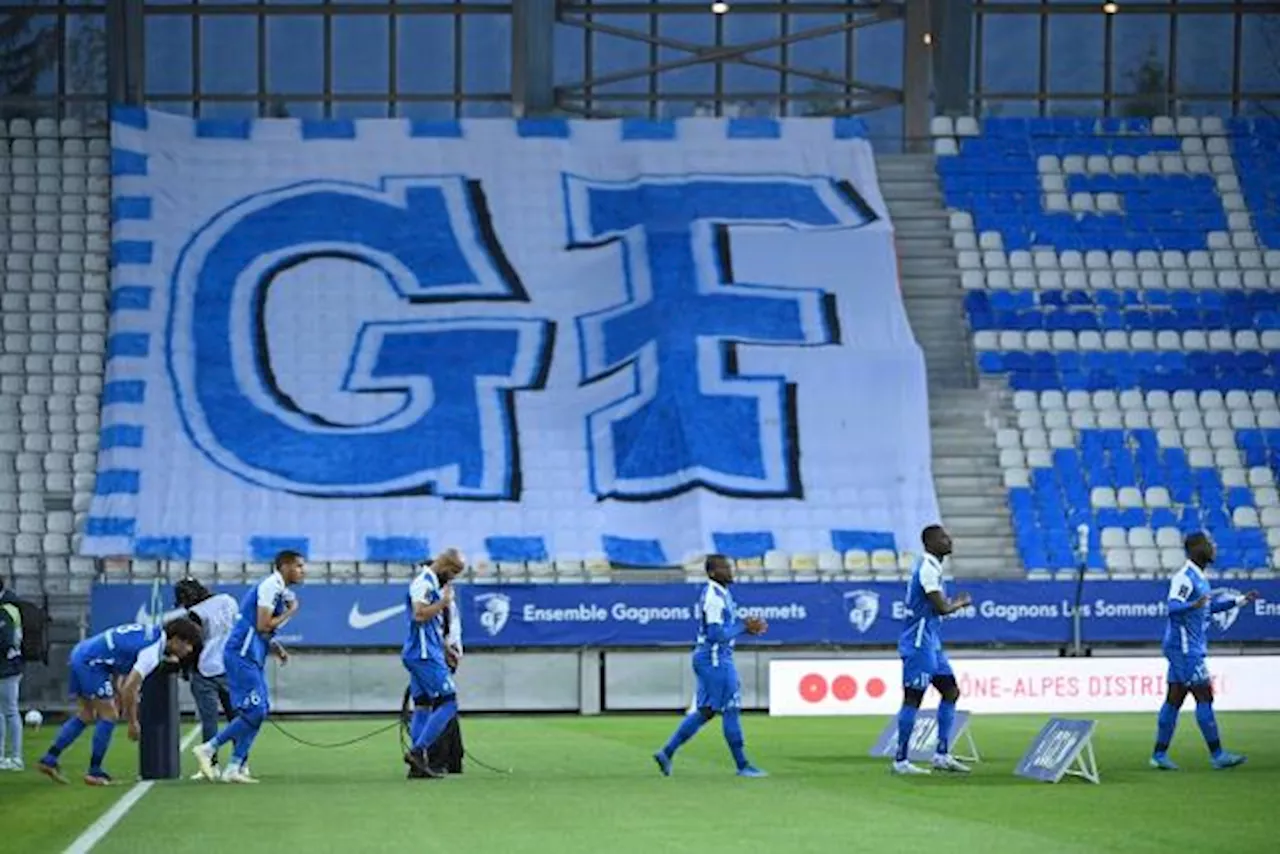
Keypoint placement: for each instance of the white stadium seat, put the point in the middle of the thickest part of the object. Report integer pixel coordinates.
(1119, 559)
(1245, 517)
(1141, 538)
(1146, 560)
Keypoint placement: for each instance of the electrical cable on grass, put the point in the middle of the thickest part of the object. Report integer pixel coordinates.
(335, 744)
(402, 724)
(470, 757)
(406, 716)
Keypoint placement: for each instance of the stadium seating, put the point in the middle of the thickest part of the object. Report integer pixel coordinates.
(1121, 276)
(1127, 290)
(54, 199)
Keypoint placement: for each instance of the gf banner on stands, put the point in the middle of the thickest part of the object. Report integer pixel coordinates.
(367, 339)
(993, 686)
(809, 614)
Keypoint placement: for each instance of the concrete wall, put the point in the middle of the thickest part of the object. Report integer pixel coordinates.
(575, 681)
(571, 681)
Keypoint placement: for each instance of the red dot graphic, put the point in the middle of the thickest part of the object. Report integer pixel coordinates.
(813, 688)
(844, 688)
(875, 687)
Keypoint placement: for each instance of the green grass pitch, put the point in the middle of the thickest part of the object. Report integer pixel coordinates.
(589, 785)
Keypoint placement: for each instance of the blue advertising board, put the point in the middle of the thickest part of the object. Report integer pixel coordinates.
(1062, 747)
(924, 738)
(845, 614)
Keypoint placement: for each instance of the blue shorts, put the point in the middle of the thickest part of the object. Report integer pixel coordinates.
(924, 665)
(90, 681)
(428, 679)
(718, 686)
(1187, 668)
(247, 683)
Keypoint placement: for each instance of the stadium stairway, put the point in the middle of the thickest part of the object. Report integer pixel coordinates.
(969, 483)
(929, 267)
(966, 465)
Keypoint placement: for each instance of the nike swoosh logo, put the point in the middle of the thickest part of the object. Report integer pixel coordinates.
(359, 621)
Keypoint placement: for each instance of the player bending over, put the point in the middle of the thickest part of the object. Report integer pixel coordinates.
(106, 667)
(435, 700)
(1191, 603)
(264, 609)
(923, 661)
(718, 687)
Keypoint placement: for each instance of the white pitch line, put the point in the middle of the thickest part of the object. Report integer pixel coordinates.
(100, 828)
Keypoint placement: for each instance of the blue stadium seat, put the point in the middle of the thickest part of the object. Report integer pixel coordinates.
(1195, 274)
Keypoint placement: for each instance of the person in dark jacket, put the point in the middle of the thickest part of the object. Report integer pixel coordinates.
(10, 677)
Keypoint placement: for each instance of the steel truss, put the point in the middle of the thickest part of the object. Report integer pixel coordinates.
(853, 96)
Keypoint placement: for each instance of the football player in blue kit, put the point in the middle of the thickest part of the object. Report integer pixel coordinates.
(1191, 604)
(435, 700)
(265, 608)
(923, 661)
(719, 690)
(106, 670)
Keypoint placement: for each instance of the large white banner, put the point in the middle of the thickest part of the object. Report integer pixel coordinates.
(370, 339)
(996, 686)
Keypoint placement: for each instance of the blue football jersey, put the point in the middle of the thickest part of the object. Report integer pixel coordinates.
(245, 640)
(120, 647)
(924, 623)
(1187, 631)
(715, 607)
(425, 640)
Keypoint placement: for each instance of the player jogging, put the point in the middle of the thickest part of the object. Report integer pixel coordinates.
(1191, 604)
(923, 661)
(108, 667)
(216, 614)
(265, 608)
(435, 700)
(719, 690)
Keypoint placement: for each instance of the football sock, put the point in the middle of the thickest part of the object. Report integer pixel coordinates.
(70, 732)
(1208, 727)
(418, 723)
(233, 731)
(731, 723)
(101, 741)
(1166, 723)
(946, 719)
(436, 722)
(243, 743)
(906, 725)
(688, 729)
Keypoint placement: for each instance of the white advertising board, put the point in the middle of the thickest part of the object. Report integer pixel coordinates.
(995, 686)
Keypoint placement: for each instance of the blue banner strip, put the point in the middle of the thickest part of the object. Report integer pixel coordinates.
(575, 615)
